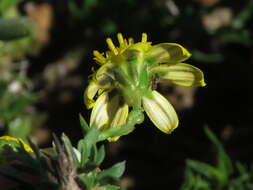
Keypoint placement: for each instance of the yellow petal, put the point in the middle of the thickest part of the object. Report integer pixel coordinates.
(109, 111)
(102, 80)
(90, 93)
(160, 112)
(140, 46)
(99, 114)
(181, 74)
(119, 119)
(168, 53)
(104, 71)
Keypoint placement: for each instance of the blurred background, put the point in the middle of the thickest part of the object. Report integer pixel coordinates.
(43, 76)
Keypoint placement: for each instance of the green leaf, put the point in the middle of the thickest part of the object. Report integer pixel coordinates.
(111, 187)
(6, 4)
(201, 184)
(224, 162)
(238, 36)
(93, 153)
(241, 168)
(96, 157)
(113, 173)
(20, 127)
(204, 169)
(100, 155)
(91, 137)
(35, 149)
(240, 19)
(3, 88)
(114, 132)
(14, 28)
(85, 145)
(68, 142)
(13, 105)
(84, 126)
(89, 181)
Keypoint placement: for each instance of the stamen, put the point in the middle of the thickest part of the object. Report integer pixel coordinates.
(130, 41)
(125, 42)
(99, 57)
(144, 37)
(120, 39)
(111, 46)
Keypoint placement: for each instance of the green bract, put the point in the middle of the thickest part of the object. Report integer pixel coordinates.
(126, 77)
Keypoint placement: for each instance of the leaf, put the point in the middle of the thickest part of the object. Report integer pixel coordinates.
(111, 187)
(91, 137)
(201, 184)
(224, 162)
(91, 165)
(240, 19)
(20, 127)
(16, 104)
(241, 168)
(88, 180)
(84, 126)
(239, 37)
(204, 169)
(100, 155)
(114, 132)
(3, 88)
(14, 28)
(96, 157)
(68, 143)
(85, 145)
(113, 173)
(34, 148)
(7, 4)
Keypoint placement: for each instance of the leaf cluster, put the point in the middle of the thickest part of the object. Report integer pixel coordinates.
(65, 167)
(225, 175)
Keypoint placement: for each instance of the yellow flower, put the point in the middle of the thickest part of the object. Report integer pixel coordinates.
(14, 143)
(126, 77)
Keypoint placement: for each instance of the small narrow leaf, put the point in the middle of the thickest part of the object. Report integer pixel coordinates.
(114, 132)
(111, 187)
(224, 162)
(84, 126)
(85, 145)
(88, 180)
(93, 153)
(100, 155)
(113, 173)
(206, 170)
(68, 143)
(14, 28)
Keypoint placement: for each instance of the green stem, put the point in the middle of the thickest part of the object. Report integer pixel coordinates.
(136, 116)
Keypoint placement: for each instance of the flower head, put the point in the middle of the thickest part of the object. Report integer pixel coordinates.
(126, 77)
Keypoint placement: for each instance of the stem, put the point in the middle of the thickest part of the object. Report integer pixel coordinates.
(136, 116)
